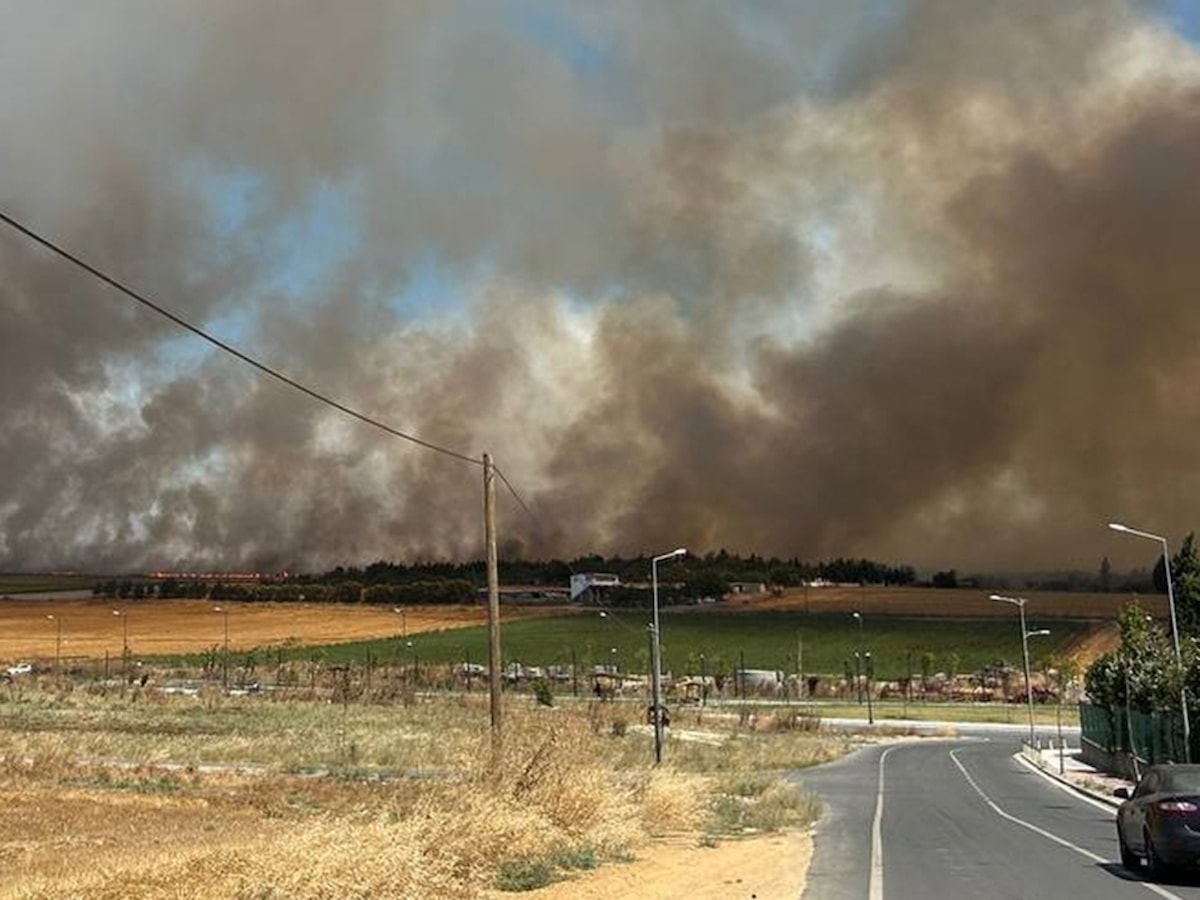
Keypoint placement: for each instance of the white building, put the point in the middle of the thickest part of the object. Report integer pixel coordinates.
(585, 586)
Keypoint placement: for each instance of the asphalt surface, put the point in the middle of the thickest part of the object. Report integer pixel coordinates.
(963, 818)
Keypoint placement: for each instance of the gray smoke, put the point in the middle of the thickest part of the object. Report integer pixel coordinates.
(796, 279)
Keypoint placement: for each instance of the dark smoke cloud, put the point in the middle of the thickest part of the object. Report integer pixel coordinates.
(801, 280)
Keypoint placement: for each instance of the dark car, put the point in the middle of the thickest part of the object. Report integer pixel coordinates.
(1160, 821)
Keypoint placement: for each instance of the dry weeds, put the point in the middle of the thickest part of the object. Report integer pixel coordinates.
(100, 806)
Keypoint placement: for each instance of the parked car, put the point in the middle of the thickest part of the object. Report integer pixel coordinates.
(19, 669)
(1160, 821)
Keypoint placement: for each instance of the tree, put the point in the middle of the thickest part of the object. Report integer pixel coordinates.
(1141, 672)
(1185, 580)
(1105, 575)
(947, 579)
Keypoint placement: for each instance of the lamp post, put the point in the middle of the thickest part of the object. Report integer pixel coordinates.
(403, 621)
(1019, 603)
(124, 616)
(869, 673)
(857, 616)
(1187, 728)
(656, 663)
(57, 641)
(225, 659)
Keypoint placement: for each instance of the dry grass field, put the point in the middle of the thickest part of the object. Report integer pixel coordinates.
(127, 793)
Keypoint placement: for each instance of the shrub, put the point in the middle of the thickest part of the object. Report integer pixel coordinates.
(523, 874)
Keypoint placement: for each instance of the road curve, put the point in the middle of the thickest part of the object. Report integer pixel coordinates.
(959, 819)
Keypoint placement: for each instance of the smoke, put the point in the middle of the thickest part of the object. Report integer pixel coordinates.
(795, 279)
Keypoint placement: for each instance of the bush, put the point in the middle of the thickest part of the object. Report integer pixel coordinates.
(542, 692)
(523, 874)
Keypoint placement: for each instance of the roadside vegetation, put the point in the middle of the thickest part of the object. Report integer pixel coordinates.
(1152, 667)
(220, 796)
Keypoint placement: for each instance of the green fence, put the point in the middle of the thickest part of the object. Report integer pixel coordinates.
(1152, 738)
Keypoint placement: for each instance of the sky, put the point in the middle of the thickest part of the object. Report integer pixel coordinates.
(909, 280)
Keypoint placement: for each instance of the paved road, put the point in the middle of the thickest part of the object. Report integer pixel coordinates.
(961, 819)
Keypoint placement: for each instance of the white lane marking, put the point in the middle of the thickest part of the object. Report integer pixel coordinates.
(1050, 836)
(875, 884)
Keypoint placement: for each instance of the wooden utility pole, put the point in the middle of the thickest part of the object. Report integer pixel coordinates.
(493, 578)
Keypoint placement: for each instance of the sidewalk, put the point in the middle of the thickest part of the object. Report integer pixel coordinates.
(1067, 767)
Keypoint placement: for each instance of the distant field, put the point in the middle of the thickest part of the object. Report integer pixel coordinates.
(90, 630)
(962, 630)
(956, 603)
(28, 584)
(767, 640)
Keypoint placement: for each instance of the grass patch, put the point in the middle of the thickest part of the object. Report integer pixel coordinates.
(163, 784)
(773, 805)
(531, 873)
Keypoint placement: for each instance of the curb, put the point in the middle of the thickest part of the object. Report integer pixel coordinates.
(1033, 758)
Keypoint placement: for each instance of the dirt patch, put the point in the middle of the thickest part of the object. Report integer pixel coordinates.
(1101, 639)
(771, 867)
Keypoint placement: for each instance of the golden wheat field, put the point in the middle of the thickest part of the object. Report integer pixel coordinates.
(30, 629)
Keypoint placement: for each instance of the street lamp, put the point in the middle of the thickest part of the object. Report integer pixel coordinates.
(403, 621)
(1019, 603)
(1187, 728)
(656, 663)
(124, 639)
(857, 616)
(869, 674)
(57, 641)
(225, 660)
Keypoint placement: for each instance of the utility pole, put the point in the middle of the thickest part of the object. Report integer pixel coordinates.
(655, 696)
(493, 578)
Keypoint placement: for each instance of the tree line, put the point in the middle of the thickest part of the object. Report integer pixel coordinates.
(691, 577)
(721, 566)
(709, 575)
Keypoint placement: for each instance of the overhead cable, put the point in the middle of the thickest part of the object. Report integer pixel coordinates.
(233, 351)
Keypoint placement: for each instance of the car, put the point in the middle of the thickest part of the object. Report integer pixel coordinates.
(1160, 821)
(19, 669)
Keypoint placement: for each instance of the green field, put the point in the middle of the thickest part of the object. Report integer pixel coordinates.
(28, 584)
(767, 640)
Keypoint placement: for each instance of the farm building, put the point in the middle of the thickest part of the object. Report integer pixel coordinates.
(747, 587)
(589, 587)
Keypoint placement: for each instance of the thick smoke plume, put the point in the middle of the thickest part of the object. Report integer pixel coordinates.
(795, 279)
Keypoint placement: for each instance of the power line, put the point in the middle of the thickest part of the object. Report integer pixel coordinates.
(512, 490)
(233, 351)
